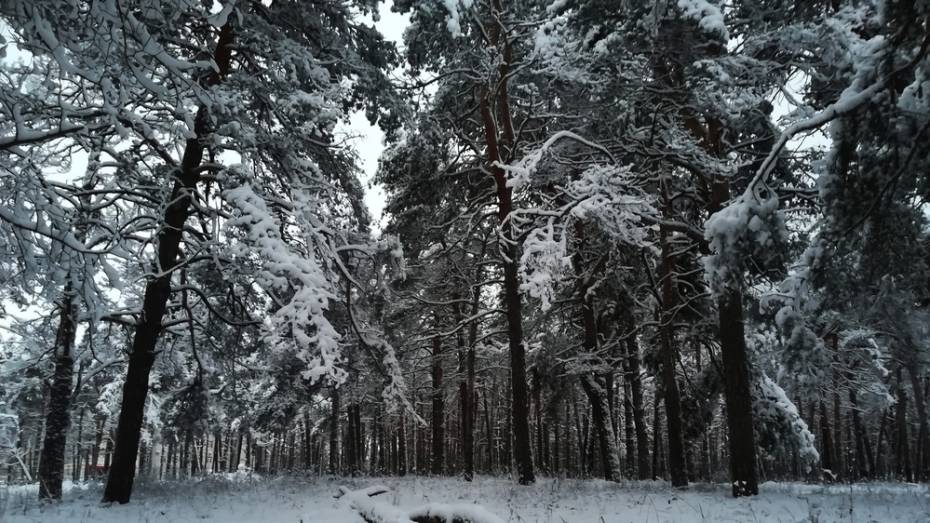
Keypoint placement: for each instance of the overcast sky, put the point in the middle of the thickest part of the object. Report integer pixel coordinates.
(370, 140)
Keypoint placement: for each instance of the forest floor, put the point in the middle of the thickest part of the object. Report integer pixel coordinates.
(234, 498)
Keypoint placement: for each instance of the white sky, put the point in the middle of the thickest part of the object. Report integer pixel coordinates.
(369, 140)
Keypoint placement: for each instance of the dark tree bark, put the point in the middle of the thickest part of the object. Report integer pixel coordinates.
(158, 290)
(437, 433)
(334, 433)
(234, 462)
(861, 469)
(108, 452)
(600, 415)
(98, 440)
(308, 452)
(78, 450)
(657, 468)
(839, 459)
(538, 416)
(826, 457)
(597, 394)
(520, 425)
(669, 355)
(358, 439)
(58, 415)
(467, 387)
(902, 448)
(639, 411)
(878, 463)
(248, 449)
(351, 441)
(402, 448)
(628, 430)
(488, 433)
(922, 460)
(738, 397)
(470, 414)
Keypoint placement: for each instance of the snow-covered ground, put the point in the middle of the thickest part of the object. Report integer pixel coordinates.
(296, 500)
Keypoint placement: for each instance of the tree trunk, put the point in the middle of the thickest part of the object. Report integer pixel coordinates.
(512, 301)
(839, 460)
(861, 469)
(902, 450)
(600, 404)
(58, 415)
(308, 451)
(437, 433)
(158, 291)
(471, 411)
(923, 439)
(358, 439)
(639, 411)
(738, 396)
(98, 440)
(826, 457)
(334, 433)
(234, 462)
(628, 430)
(78, 450)
(349, 441)
(402, 448)
(656, 441)
(669, 357)
(600, 414)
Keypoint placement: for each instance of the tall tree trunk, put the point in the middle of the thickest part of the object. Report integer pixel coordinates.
(738, 396)
(512, 301)
(471, 412)
(656, 441)
(402, 448)
(467, 388)
(248, 448)
(639, 411)
(600, 414)
(826, 457)
(488, 433)
(879, 468)
(234, 462)
(437, 433)
(308, 451)
(628, 430)
(108, 452)
(840, 458)
(334, 433)
(669, 357)
(862, 462)
(78, 450)
(923, 439)
(58, 415)
(158, 291)
(902, 447)
(358, 439)
(349, 441)
(597, 394)
(98, 440)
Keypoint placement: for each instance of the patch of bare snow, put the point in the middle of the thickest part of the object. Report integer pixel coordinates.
(243, 498)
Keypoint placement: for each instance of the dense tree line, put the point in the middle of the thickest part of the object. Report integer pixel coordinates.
(609, 247)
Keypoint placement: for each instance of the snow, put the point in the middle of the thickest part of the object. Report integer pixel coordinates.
(544, 259)
(454, 22)
(300, 322)
(751, 225)
(708, 16)
(291, 499)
